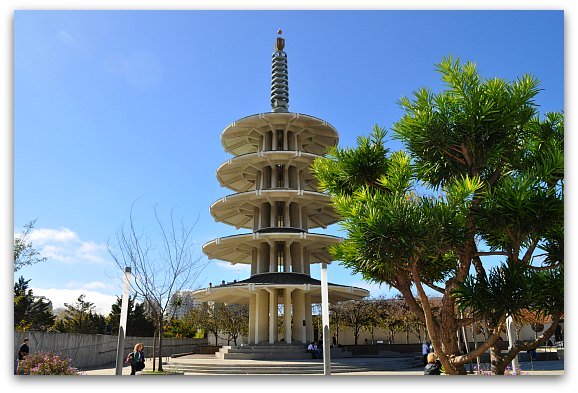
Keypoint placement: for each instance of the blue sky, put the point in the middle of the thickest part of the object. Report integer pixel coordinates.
(112, 107)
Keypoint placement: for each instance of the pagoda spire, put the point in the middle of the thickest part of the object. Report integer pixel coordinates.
(279, 77)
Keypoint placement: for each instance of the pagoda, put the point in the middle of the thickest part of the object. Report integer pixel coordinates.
(276, 199)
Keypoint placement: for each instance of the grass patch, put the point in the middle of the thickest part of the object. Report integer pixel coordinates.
(150, 372)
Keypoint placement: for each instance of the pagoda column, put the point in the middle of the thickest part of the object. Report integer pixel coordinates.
(299, 315)
(252, 318)
(287, 315)
(262, 319)
(272, 315)
(308, 318)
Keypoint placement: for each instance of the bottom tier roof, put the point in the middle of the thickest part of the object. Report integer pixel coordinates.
(239, 292)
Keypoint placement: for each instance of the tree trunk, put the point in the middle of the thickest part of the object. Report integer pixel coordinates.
(161, 344)
(498, 367)
(154, 351)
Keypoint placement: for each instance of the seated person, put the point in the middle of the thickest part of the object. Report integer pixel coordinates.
(433, 366)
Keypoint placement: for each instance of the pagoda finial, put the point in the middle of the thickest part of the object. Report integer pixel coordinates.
(279, 77)
(280, 43)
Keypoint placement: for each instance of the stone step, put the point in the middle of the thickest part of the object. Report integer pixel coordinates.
(272, 352)
(305, 368)
(262, 350)
(263, 355)
(256, 370)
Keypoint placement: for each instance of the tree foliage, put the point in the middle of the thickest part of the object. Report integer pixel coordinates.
(80, 317)
(30, 312)
(24, 252)
(233, 320)
(139, 324)
(481, 175)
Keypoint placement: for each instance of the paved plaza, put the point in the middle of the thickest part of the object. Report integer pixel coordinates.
(545, 367)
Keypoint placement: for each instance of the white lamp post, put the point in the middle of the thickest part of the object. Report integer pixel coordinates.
(325, 320)
(512, 341)
(122, 325)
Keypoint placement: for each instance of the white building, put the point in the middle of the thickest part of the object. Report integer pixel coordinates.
(276, 199)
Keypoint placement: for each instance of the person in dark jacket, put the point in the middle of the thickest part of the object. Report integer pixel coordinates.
(433, 366)
(23, 352)
(136, 359)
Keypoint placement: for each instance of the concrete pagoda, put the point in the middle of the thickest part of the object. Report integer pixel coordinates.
(276, 198)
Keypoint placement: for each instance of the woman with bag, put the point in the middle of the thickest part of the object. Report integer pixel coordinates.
(136, 359)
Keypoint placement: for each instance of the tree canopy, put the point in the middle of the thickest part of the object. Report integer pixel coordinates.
(481, 176)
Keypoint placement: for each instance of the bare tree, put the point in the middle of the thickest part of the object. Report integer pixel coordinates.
(161, 266)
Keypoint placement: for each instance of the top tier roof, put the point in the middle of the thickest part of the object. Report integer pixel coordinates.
(243, 136)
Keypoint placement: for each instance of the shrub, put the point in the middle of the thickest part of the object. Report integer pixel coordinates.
(46, 363)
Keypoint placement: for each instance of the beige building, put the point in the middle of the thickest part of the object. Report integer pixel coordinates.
(276, 200)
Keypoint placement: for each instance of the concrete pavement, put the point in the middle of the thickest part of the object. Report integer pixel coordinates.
(546, 367)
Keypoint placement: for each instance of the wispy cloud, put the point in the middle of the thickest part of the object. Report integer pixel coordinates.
(240, 267)
(69, 41)
(66, 246)
(47, 235)
(142, 70)
(91, 285)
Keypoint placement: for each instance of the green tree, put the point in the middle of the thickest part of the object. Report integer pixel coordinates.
(358, 315)
(30, 312)
(80, 318)
(24, 253)
(179, 328)
(209, 319)
(233, 320)
(482, 176)
(138, 323)
(336, 320)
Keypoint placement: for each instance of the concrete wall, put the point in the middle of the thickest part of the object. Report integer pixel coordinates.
(93, 350)
(346, 336)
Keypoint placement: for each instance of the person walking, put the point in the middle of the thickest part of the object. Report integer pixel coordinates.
(433, 366)
(23, 352)
(424, 352)
(136, 359)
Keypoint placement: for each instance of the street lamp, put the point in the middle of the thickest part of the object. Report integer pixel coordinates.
(122, 325)
(325, 320)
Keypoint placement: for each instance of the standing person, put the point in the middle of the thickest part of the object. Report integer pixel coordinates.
(425, 351)
(433, 366)
(136, 359)
(23, 352)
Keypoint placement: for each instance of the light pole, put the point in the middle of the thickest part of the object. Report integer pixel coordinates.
(512, 341)
(122, 325)
(325, 320)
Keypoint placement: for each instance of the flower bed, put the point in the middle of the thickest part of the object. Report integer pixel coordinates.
(46, 363)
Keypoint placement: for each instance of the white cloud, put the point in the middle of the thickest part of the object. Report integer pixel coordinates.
(46, 235)
(64, 245)
(102, 302)
(90, 285)
(240, 267)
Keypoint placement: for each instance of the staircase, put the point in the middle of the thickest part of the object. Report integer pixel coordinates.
(272, 352)
(311, 367)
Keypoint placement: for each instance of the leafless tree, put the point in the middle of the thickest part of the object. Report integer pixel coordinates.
(160, 266)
